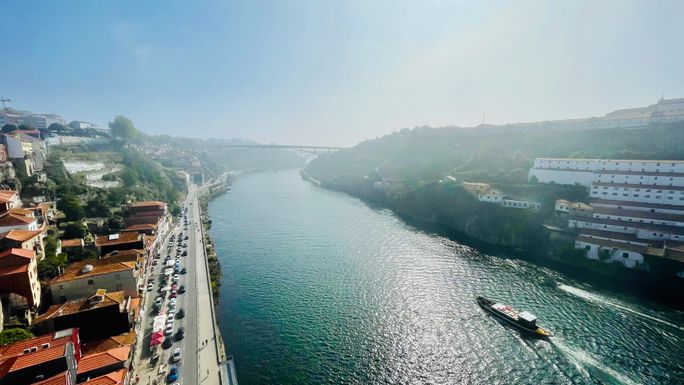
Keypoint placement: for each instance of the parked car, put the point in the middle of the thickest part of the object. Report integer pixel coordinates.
(155, 357)
(173, 294)
(179, 315)
(150, 287)
(173, 374)
(168, 342)
(158, 300)
(177, 355)
(176, 277)
(181, 289)
(185, 253)
(168, 330)
(170, 317)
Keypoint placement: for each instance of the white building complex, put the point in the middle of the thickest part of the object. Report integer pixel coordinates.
(664, 111)
(637, 206)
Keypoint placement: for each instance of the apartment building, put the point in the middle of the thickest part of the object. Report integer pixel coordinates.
(637, 206)
(485, 193)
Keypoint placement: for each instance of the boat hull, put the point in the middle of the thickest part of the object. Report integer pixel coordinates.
(538, 332)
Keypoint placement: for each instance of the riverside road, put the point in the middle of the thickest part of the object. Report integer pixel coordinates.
(202, 356)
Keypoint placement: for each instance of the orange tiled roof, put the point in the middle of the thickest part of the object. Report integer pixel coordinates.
(114, 378)
(7, 195)
(21, 235)
(80, 305)
(102, 345)
(108, 240)
(104, 359)
(13, 219)
(76, 242)
(27, 360)
(144, 226)
(22, 211)
(11, 270)
(100, 266)
(59, 379)
(149, 204)
(55, 339)
(16, 257)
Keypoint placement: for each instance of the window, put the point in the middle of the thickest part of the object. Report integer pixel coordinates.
(625, 255)
(91, 282)
(587, 247)
(117, 276)
(119, 287)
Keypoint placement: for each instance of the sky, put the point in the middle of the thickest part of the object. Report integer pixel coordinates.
(336, 72)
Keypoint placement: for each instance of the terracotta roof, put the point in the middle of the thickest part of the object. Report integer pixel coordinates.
(21, 235)
(11, 270)
(59, 379)
(149, 204)
(76, 242)
(13, 219)
(27, 360)
(55, 339)
(103, 345)
(117, 239)
(144, 226)
(100, 267)
(16, 257)
(7, 195)
(80, 305)
(22, 211)
(126, 255)
(104, 359)
(114, 378)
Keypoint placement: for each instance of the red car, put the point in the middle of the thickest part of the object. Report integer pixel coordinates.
(174, 287)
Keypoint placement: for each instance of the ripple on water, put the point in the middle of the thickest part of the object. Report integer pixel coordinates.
(319, 288)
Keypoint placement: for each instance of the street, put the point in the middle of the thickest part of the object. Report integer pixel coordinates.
(200, 355)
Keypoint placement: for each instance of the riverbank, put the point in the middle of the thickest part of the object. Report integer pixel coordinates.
(532, 243)
(212, 191)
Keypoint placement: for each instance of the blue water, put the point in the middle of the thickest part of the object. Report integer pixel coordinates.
(321, 288)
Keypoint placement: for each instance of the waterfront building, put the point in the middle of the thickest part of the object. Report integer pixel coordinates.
(119, 242)
(637, 206)
(485, 193)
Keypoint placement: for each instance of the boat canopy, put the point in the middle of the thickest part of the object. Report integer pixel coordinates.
(528, 318)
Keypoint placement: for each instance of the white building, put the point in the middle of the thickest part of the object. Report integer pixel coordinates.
(485, 193)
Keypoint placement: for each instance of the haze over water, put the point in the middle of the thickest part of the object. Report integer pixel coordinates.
(321, 288)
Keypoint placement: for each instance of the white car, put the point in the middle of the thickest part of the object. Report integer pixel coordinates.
(176, 277)
(177, 355)
(170, 316)
(169, 329)
(172, 301)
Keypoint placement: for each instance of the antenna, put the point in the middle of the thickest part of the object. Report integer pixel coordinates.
(4, 100)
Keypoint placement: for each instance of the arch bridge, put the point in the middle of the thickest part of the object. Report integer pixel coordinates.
(315, 150)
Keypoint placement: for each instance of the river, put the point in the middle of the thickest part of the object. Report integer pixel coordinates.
(321, 288)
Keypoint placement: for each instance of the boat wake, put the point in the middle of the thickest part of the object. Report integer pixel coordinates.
(591, 365)
(605, 301)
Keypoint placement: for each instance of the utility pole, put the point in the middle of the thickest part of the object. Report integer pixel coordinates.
(4, 100)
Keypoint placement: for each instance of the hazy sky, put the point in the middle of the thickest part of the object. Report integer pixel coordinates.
(333, 72)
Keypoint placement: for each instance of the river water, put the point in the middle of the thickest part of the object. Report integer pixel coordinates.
(321, 288)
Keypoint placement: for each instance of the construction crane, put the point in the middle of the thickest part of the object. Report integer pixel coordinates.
(3, 101)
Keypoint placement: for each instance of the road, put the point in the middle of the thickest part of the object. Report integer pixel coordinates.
(201, 358)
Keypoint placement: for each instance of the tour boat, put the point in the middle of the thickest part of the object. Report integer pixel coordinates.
(521, 319)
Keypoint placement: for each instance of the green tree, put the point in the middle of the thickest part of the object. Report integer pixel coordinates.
(71, 207)
(7, 128)
(10, 336)
(74, 230)
(97, 207)
(56, 127)
(50, 246)
(49, 267)
(123, 128)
